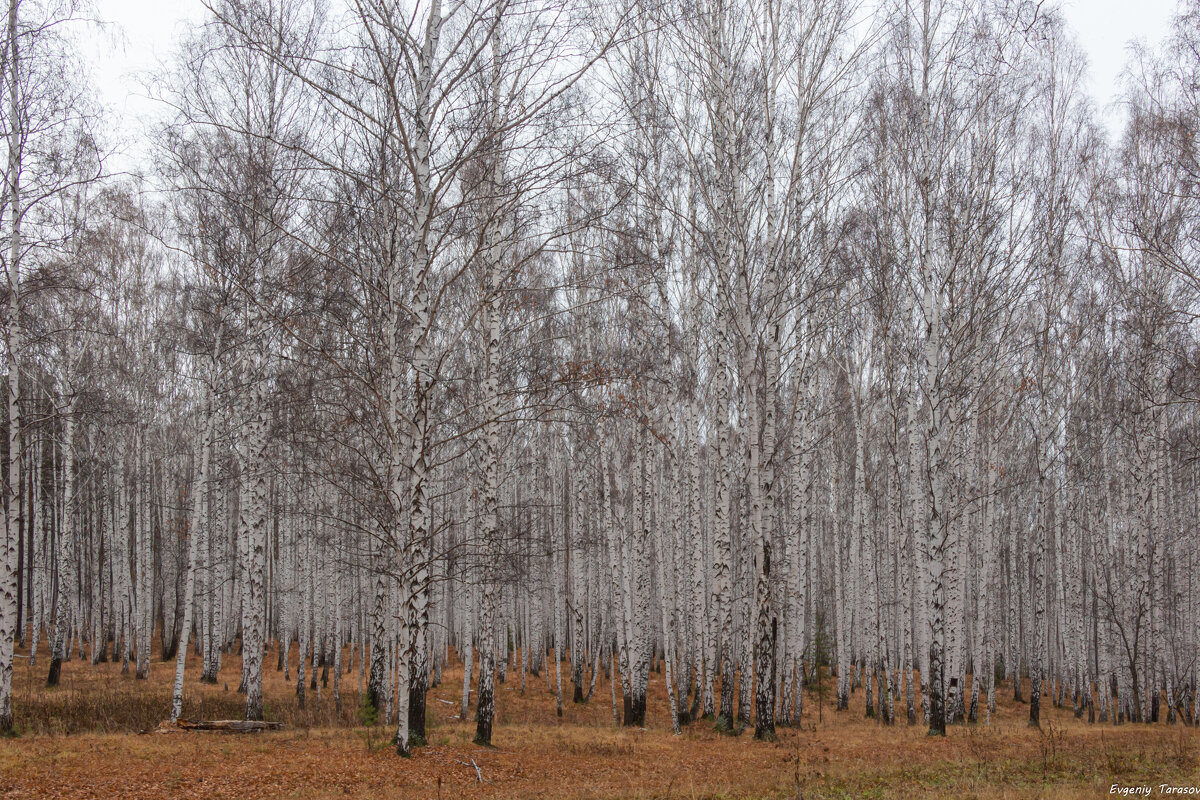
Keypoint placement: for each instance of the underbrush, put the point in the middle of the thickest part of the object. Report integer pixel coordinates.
(127, 705)
(67, 711)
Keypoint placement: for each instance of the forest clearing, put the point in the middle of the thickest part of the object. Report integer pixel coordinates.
(538, 755)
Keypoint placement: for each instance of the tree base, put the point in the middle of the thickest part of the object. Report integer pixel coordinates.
(727, 728)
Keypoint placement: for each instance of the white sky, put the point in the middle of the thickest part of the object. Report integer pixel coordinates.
(143, 34)
(1105, 28)
(139, 36)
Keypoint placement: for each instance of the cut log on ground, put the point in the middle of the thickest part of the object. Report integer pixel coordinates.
(222, 725)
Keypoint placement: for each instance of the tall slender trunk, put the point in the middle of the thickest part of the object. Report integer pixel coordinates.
(252, 511)
(63, 554)
(486, 702)
(9, 588)
(199, 487)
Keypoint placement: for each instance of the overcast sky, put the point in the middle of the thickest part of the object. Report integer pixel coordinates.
(1105, 28)
(143, 33)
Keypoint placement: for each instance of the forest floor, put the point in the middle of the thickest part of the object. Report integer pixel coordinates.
(81, 740)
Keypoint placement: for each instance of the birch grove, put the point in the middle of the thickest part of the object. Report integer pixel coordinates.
(712, 350)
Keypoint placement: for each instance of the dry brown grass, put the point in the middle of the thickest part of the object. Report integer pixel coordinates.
(539, 755)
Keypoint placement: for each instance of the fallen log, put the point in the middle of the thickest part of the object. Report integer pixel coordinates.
(222, 725)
